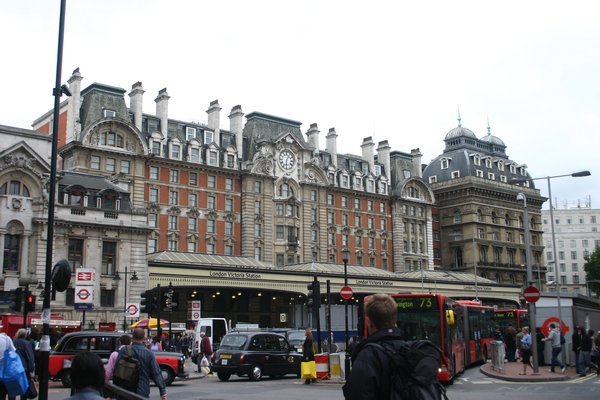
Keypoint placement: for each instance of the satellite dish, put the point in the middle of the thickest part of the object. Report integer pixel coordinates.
(61, 275)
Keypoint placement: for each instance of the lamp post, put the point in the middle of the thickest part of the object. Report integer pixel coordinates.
(133, 278)
(577, 174)
(530, 280)
(345, 258)
(475, 258)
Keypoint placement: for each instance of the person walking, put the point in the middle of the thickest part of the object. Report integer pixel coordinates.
(87, 376)
(539, 337)
(595, 354)
(149, 368)
(308, 351)
(25, 350)
(185, 345)
(5, 343)
(518, 336)
(156, 345)
(370, 377)
(510, 338)
(585, 354)
(577, 338)
(205, 351)
(124, 340)
(525, 347)
(554, 339)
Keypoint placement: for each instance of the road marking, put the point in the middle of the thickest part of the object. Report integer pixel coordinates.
(481, 382)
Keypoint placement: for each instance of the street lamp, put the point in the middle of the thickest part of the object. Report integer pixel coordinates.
(133, 278)
(530, 280)
(345, 258)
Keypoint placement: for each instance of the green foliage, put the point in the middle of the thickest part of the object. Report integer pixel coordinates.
(592, 270)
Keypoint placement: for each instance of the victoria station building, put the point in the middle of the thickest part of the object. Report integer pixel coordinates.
(243, 218)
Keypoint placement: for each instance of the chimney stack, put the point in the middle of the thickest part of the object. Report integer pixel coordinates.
(368, 153)
(313, 137)
(383, 156)
(416, 157)
(331, 145)
(136, 95)
(73, 124)
(162, 112)
(236, 121)
(214, 120)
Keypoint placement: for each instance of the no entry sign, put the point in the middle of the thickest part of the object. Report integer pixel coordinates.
(531, 294)
(346, 292)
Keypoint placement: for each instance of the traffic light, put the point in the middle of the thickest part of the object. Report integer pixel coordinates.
(16, 299)
(147, 304)
(314, 294)
(30, 303)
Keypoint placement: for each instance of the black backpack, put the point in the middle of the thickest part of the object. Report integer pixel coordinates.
(415, 368)
(127, 370)
(562, 340)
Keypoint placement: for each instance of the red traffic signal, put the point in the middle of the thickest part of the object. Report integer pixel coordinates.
(30, 303)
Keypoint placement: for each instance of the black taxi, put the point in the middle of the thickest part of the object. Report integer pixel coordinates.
(255, 354)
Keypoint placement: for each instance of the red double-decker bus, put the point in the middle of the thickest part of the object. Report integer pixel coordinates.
(433, 317)
(478, 327)
(517, 317)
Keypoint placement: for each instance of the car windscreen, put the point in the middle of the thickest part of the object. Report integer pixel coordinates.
(296, 336)
(233, 342)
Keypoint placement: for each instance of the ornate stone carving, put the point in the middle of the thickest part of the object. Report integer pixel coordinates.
(263, 162)
(174, 210)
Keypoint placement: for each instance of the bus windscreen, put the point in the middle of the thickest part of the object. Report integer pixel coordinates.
(419, 318)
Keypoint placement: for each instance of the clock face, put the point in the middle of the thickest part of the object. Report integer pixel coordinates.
(287, 159)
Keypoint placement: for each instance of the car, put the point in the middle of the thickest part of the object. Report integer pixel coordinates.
(103, 344)
(255, 354)
(296, 338)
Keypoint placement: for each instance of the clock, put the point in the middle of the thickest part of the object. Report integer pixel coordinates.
(287, 159)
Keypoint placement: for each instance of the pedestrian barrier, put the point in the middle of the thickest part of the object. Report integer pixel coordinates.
(322, 361)
(335, 366)
(498, 354)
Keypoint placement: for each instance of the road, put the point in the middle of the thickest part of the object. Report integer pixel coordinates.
(472, 385)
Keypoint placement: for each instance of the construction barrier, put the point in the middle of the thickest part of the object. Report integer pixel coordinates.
(335, 366)
(322, 361)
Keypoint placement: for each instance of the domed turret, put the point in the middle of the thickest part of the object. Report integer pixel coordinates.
(458, 132)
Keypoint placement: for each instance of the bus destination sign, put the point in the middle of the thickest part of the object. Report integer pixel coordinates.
(416, 303)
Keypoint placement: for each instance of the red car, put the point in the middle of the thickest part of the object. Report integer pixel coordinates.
(103, 344)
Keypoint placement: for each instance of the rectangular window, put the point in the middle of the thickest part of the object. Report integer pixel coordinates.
(230, 161)
(192, 224)
(153, 195)
(192, 200)
(76, 253)
(156, 147)
(109, 257)
(210, 202)
(173, 222)
(210, 248)
(193, 178)
(109, 113)
(345, 219)
(331, 239)
(228, 184)
(330, 217)
(195, 154)
(212, 157)
(330, 199)
(173, 197)
(573, 255)
(370, 205)
(107, 298)
(212, 181)
(257, 187)
(357, 221)
(257, 207)
(228, 250)
(382, 223)
(228, 228)
(110, 164)
(152, 218)
(175, 151)
(151, 245)
(370, 224)
(153, 172)
(228, 204)
(190, 133)
(344, 201)
(125, 164)
(174, 176)
(210, 225)
(257, 230)
(279, 232)
(172, 245)
(357, 204)
(192, 247)
(95, 162)
(208, 137)
(313, 195)
(258, 253)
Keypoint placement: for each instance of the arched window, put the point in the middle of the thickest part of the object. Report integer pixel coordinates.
(457, 217)
(15, 188)
(458, 257)
(12, 249)
(498, 278)
(494, 218)
(285, 190)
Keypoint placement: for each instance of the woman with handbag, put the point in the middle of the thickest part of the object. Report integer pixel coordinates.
(308, 358)
(25, 350)
(525, 346)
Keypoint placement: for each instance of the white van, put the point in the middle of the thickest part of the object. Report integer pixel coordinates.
(214, 328)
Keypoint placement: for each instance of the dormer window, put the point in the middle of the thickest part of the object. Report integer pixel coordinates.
(445, 163)
(488, 163)
(212, 157)
(110, 113)
(195, 154)
(522, 170)
(190, 133)
(378, 170)
(503, 178)
(370, 185)
(175, 151)
(208, 137)
(455, 174)
(111, 139)
(479, 173)
(357, 183)
(156, 147)
(382, 188)
(433, 179)
(491, 176)
(345, 181)
(476, 159)
(513, 169)
(501, 165)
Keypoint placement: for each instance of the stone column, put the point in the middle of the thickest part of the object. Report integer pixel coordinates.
(2, 248)
(24, 259)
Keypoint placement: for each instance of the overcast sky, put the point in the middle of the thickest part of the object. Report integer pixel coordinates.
(393, 70)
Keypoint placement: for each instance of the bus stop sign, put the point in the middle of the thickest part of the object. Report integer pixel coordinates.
(531, 294)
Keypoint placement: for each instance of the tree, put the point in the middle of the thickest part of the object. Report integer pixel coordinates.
(592, 270)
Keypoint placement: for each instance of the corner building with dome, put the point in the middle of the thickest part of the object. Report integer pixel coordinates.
(481, 223)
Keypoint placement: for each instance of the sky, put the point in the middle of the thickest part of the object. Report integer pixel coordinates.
(394, 70)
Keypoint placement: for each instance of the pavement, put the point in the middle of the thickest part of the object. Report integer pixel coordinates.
(511, 372)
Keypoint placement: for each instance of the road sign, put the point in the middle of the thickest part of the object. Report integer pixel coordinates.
(84, 276)
(195, 305)
(84, 294)
(84, 306)
(346, 292)
(531, 294)
(196, 315)
(132, 310)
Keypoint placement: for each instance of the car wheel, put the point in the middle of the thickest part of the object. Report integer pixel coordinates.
(256, 373)
(65, 378)
(223, 376)
(167, 374)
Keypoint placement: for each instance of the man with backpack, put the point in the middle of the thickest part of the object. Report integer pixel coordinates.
(386, 367)
(136, 365)
(556, 340)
